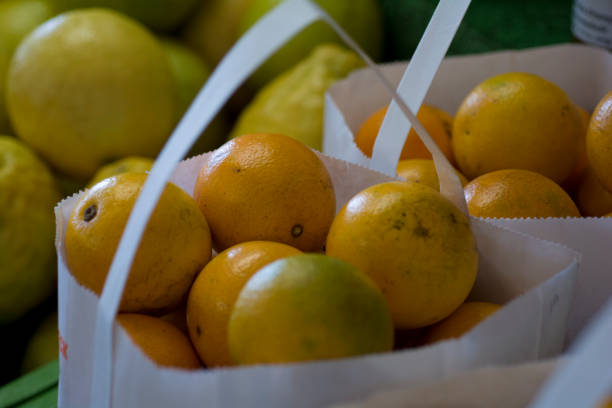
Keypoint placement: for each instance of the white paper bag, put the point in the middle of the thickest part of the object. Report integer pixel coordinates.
(351, 101)
(100, 366)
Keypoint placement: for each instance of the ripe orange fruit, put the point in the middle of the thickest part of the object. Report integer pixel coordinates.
(266, 187)
(583, 162)
(413, 147)
(517, 121)
(178, 318)
(422, 171)
(308, 307)
(517, 194)
(416, 246)
(446, 118)
(461, 321)
(174, 248)
(215, 291)
(592, 199)
(159, 340)
(599, 142)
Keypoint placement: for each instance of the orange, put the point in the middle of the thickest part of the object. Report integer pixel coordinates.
(159, 340)
(413, 147)
(308, 307)
(174, 248)
(215, 291)
(517, 121)
(592, 199)
(177, 318)
(422, 171)
(461, 321)
(446, 118)
(517, 194)
(583, 162)
(607, 403)
(599, 142)
(266, 187)
(416, 246)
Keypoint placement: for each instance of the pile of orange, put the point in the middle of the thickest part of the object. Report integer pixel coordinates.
(528, 150)
(292, 280)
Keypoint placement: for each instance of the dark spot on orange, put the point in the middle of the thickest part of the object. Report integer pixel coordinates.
(453, 218)
(296, 230)
(421, 231)
(198, 330)
(90, 213)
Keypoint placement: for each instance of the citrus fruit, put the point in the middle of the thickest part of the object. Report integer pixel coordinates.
(163, 15)
(599, 142)
(517, 121)
(422, 171)
(17, 19)
(174, 248)
(416, 246)
(27, 228)
(178, 318)
(361, 19)
(446, 118)
(308, 307)
(132, 164)
(159, 340)
(190, 73)
(461, 321)
(43, 346)
(571, 183)
(266, 187)
(215, 291)
(89, 86)
(413, 147)
(593, 200)
(293, 103)
(213, 29)
(517, 194)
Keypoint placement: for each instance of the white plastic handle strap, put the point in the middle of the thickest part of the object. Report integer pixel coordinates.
(586, 378)
(261, 41)
(413, 87)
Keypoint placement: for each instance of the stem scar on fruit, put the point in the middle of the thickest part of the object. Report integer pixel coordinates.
(90, 213)
(296, 230)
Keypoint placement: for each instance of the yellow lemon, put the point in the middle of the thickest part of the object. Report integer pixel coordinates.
(89, 86)
(128, 165)
(27, 227)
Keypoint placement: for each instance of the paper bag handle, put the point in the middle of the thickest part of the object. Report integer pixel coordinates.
(413, 87)
(260, 42)
(586, 378)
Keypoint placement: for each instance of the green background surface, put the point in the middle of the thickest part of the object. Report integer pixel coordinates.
(488, 25)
